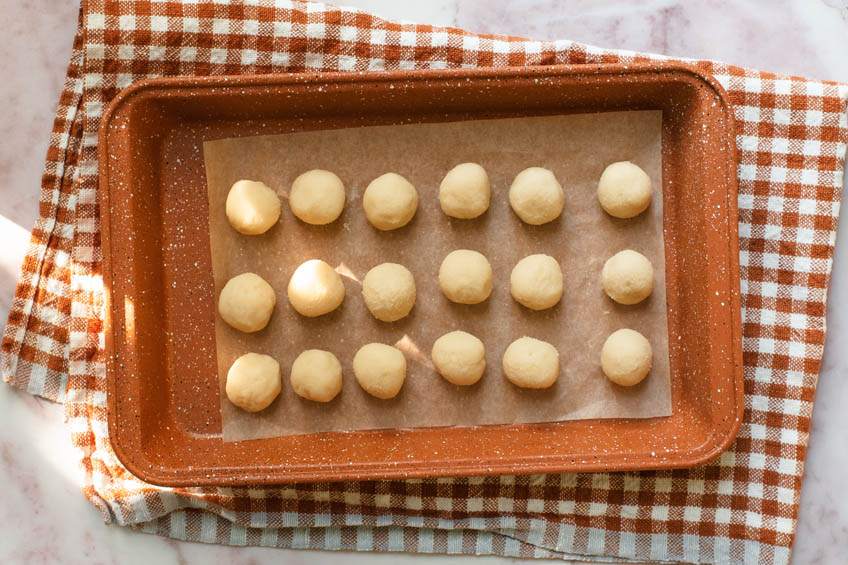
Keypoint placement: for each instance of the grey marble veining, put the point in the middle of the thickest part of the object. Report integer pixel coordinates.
(46, 517)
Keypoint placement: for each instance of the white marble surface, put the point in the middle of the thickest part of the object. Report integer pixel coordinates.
(46, 518)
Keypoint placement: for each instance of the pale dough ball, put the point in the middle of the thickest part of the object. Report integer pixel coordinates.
(253, 381)
(628, 277)
(246, 302)
(626, 357)
(380, 369)
(624, 190)
(315, 289)
(459, 357)
(531, 363)
(536, 196)
(252, 208)
(316, 375)
(536, 282)
(317, 197)
(389, 291)
(466, 277)
(390, 201)
(465, 192)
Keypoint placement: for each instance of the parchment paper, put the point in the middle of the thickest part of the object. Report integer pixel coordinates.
(575, 147)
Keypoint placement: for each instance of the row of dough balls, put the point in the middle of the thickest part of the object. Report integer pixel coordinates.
(390, 201)
(465, 277)
(254, 381)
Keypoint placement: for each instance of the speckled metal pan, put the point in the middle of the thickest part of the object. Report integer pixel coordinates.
(163, 399)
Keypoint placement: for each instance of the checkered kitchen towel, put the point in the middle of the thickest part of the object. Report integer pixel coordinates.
(791, 135)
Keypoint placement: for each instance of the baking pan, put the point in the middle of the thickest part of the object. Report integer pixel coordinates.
(163, 395)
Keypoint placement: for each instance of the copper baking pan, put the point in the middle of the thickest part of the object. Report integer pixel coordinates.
(163, 392)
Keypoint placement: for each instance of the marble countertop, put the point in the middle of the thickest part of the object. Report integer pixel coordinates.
(45, 515)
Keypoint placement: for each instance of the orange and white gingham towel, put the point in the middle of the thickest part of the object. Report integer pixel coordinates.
(791, 136)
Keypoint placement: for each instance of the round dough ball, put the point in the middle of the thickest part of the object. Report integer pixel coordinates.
(466, 277)
(389, 291)
(380, 369)
(536, 282)
(252, 208)
(390, 201)
(626, 357)
(459, 357)
(253, 381)
(315, 289)
(531, 363)
(246, 302)
(465, 191)
(536, 196)
(628, 277)
(317, 197)
(316, 375)
(624, 190)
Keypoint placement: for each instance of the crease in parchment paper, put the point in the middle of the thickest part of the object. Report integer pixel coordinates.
(576, 148)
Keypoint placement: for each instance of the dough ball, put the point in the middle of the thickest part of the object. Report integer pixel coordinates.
(466, 277)
(624, 190)
(465, 192)
(246, 302)
(626, 357)
(536, 282)
(536, 196)
(390, 201)
(315, 289)
(628, 277)
(380, 369)
(531, 363)
(316, 375)
(459, 357)
(389, 291)
(317, 197)
(252, 208)
(253, 382)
